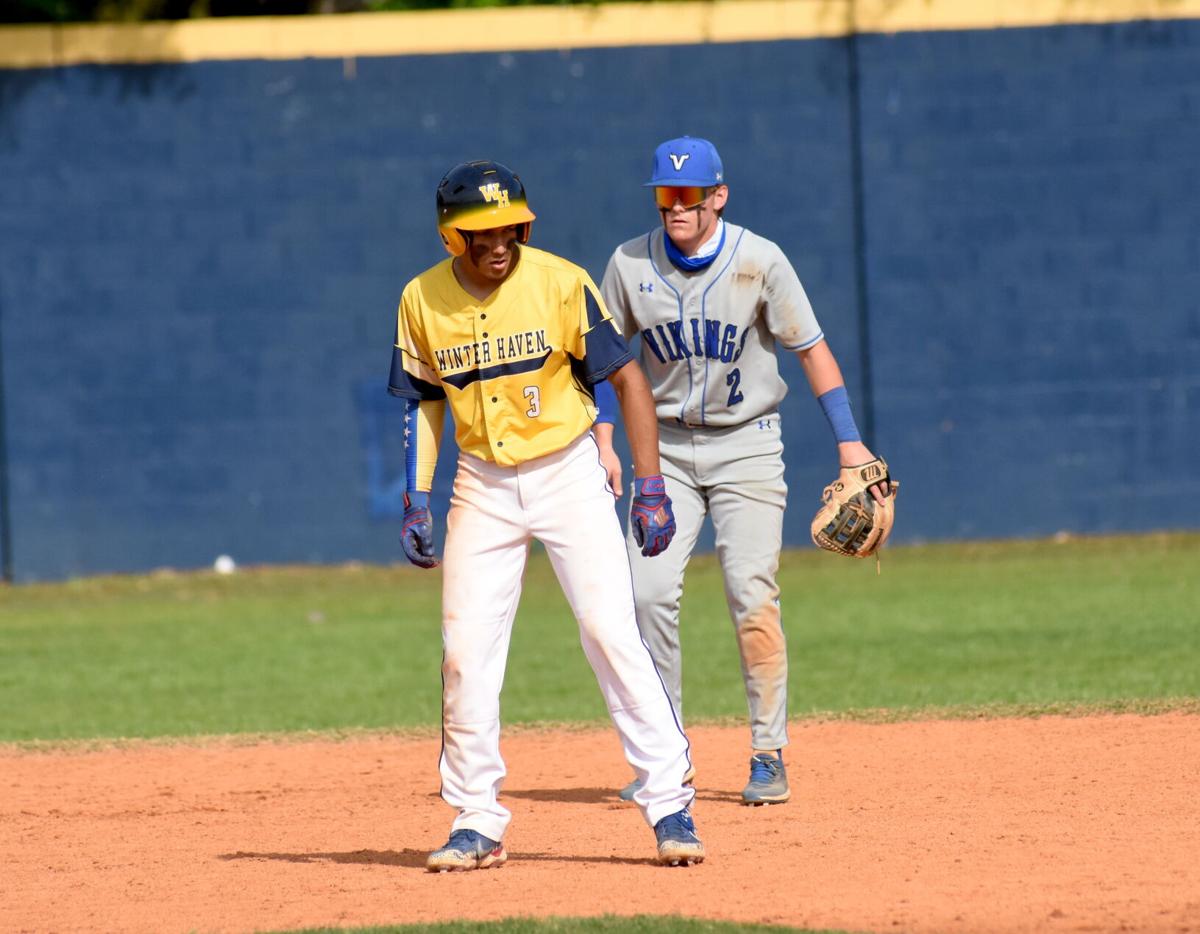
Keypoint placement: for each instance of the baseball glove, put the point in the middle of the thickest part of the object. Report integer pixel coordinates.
(851, 522)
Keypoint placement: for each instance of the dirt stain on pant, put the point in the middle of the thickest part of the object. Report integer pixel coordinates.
(764, 667)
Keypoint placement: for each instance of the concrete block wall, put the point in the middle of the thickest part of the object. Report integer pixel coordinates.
(1033, 252)
(199, 266)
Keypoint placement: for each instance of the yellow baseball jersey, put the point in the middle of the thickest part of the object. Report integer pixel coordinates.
(517, 367)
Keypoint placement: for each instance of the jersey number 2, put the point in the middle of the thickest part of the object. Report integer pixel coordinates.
(732, 380)
(534, 396)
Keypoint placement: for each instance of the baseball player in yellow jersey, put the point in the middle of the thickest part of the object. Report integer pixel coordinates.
(512, 338)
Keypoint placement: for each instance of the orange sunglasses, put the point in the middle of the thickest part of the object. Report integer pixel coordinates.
(689, 196)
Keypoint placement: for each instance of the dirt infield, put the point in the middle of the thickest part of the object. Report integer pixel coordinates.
(1050, 824)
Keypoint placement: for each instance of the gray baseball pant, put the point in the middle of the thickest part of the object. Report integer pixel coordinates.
(736, 476)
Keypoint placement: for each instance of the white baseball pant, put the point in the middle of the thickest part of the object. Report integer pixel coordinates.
(564, 501)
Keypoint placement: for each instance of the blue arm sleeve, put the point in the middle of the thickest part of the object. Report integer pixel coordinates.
(423, 420)
(606, 402)
(411, 407)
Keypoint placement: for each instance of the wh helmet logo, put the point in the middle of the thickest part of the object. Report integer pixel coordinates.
(493, 192)
(678, 161)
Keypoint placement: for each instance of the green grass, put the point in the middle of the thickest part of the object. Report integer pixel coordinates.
(640, 924)
(1109, 622)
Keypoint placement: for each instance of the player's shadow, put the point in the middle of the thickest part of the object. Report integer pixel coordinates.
(605, 795)
(721, 797)
(595, 860)
(564, 795)
(408, 858)
(415, 859)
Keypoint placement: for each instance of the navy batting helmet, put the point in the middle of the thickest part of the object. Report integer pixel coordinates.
(480, 196)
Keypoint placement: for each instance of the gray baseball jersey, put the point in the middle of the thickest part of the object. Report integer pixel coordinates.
(708, 349)
(708, 337)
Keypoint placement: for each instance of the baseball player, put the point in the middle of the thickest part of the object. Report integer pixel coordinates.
(512, 339)
(710, 301)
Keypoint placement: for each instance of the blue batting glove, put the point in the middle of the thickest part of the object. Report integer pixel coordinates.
(417, 535)
(651, 516)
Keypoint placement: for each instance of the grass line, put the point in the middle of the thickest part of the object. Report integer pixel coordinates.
(607, 924)
(1189, 706)
(281, 654)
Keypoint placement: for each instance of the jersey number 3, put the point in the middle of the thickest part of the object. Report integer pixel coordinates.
(533, 395)
(732, 381)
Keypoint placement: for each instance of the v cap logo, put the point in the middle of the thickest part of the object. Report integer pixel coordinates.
(687, 160)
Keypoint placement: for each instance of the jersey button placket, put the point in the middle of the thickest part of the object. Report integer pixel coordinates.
(699, 361)
(487, 417)
(695, 379)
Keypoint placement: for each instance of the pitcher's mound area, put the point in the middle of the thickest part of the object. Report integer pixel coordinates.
(1050, 824)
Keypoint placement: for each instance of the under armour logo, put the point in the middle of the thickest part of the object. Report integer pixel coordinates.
(645, 286)
(678, 161)
(764, 425)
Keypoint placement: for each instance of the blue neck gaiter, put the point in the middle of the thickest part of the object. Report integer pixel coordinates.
(691, 263)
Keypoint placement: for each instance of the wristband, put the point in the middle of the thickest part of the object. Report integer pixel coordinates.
(836, 405)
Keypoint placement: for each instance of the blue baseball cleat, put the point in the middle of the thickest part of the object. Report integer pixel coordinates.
(466, 849)
(677, 840)
(627, 793)
(768, 780)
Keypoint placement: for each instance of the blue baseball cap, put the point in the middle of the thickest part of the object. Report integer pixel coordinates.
(687, 160)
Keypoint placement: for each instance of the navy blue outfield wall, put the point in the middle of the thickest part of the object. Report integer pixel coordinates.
(199, 267)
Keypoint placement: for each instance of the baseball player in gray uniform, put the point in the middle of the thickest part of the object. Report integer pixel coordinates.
(710, 301)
